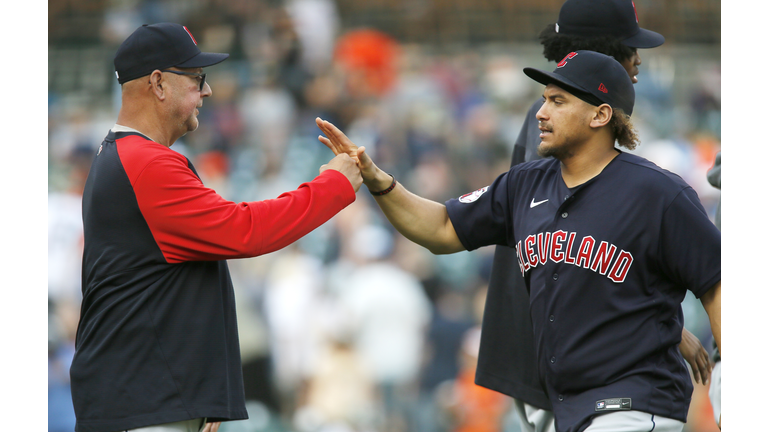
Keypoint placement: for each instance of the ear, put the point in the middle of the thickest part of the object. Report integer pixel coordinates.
(602, 116)
(156, 83)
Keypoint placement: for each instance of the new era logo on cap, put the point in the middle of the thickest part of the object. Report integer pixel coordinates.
(602, 88)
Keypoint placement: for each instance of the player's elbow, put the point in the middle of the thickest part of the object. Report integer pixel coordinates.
(445, 246)
(439, 250)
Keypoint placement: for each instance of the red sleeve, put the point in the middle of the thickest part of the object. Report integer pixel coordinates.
(191, 222)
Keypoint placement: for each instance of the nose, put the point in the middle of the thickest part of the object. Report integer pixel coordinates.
(541, 114)
(207, 91)
(638, 60)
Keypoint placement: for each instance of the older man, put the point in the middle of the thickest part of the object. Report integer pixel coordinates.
(157, 345)
(607, 243)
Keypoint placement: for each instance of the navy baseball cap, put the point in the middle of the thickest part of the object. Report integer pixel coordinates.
(592, 77)
(618, 18)
(160, 46)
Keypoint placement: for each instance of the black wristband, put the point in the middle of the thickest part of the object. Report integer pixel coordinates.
(387, 190)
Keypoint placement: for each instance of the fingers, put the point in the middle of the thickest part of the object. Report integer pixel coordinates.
(335, 135)
(696, 373)
(331, 139)
(215, 426)
(323, 139)
(328, 144)
(705, 367)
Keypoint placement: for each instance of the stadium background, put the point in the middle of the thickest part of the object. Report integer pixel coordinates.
(435, 89)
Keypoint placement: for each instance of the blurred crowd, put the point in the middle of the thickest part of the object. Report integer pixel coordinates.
(353, 328)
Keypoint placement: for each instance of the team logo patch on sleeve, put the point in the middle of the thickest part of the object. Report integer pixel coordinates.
(472, 196)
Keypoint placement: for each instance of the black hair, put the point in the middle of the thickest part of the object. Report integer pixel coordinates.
(557, 46)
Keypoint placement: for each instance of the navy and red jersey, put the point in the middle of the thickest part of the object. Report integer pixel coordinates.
(607, 265)
(157, 339)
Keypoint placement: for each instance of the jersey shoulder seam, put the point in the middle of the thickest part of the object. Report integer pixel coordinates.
(147, 161)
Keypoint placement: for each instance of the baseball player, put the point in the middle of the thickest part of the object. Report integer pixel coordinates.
(157, 344)
(507, 360)
(607, 242)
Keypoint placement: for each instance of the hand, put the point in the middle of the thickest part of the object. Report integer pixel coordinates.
(696, 356)
(336, 141)
(345, 165)
(339, 143)
(211, 427)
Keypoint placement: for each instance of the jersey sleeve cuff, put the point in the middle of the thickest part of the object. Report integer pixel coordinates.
(340, 183)
(705, 287)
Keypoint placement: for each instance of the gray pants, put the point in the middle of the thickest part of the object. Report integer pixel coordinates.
(540, 420)
(534, 419)
(194, 425)
(714, 390)
(633, 421)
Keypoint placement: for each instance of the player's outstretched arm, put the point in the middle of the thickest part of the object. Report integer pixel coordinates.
(711, 302)
(420, 220)
(696, 356)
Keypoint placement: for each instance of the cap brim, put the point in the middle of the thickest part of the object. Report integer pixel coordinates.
(203, 59)
(546, 78)
(644, 39)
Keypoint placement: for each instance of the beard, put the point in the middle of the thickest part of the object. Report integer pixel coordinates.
(559, 152)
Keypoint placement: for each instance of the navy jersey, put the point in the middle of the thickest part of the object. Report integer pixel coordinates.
(607, 264)
(157, 340)
(507, 359)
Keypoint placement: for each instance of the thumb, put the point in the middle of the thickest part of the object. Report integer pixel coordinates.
(362, 156)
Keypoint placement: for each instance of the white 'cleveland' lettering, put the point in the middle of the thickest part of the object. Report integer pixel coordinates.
(560, 246)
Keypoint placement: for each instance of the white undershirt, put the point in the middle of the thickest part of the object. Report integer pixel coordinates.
(121, 128)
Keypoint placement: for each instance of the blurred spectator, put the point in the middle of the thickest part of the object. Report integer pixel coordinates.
(292, 291)
(389, 312)
(317, 23)
(341, 391)
(446, 334)
(370, 58)
(62, 325)
(475, 408)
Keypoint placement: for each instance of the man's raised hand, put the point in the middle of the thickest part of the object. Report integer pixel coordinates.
(335, 139)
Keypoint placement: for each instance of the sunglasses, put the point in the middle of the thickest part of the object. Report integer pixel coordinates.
(201, 76)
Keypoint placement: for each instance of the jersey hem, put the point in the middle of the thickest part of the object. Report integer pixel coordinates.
(525, 393)
(134, 422)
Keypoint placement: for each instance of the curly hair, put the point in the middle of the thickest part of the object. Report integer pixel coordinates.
(557, 45)
(623, 130)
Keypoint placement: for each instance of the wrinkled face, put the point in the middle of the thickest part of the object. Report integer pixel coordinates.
(631, 65)
(564, 123)
(186, 98)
